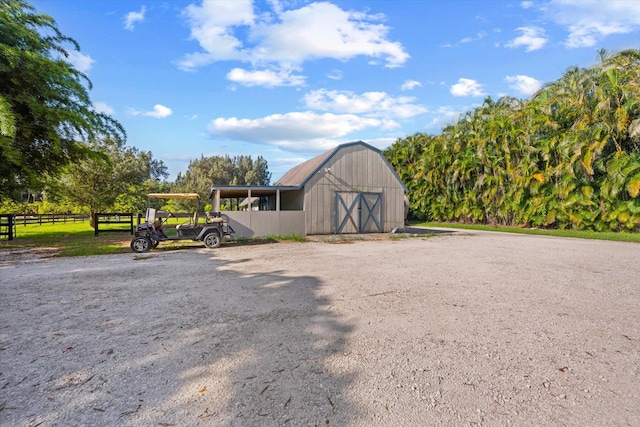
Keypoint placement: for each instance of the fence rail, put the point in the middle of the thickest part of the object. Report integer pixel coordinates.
(121, 218)
(117, 222)
(49, 218)
(7, 225)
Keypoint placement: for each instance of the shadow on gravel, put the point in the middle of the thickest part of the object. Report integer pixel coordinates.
(173, 339)
(424, 230)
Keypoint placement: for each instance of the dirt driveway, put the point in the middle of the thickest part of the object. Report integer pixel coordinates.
(467, 328)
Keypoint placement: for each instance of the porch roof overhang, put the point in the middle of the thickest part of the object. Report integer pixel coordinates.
(231, 191)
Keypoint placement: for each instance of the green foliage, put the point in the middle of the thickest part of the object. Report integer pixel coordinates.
(44, 102)
(286, 237)
(567, 158)
(8, 206)
(205, 172)
(576, 234)
(118, 178)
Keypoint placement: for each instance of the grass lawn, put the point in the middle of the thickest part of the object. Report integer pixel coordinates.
(77, 239)
(620, 237)
(71, 238)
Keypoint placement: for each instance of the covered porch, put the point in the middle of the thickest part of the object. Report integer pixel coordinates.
(261, 211)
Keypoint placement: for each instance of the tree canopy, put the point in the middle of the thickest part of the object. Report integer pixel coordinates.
(569, 157)
(119, 178)
(46, 114)
(205, 172)
(52, 138)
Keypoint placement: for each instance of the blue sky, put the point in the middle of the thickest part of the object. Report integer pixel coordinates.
(290, 79)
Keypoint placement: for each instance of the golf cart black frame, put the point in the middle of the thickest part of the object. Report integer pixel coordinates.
(210, 230)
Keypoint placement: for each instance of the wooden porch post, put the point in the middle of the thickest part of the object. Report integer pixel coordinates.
(216, 201)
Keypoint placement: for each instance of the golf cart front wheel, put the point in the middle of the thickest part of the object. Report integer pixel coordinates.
(212, 240)
(141, 244)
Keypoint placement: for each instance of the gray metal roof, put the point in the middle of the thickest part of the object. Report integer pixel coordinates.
(299, 175)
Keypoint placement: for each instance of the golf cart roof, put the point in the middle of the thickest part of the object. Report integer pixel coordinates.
(193, 196)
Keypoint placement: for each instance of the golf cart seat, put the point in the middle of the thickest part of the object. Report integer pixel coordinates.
(214, 219)
(150, 216)
(192, 222)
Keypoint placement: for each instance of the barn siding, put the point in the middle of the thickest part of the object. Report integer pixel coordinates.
(247, 224)
(354, 168)
(308, 204)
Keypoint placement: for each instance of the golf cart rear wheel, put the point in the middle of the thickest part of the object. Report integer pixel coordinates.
(212, 240)
(141, 244)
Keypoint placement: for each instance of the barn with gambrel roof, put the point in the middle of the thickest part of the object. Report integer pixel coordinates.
(351, 188)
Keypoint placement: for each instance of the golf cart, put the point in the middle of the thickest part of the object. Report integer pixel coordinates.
(210, 230)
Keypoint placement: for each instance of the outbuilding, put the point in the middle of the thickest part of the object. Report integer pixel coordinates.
(351, 188)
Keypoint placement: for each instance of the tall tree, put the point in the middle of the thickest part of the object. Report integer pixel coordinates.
(569, 157)
(203, 173)
(45, 109)
(118, 174)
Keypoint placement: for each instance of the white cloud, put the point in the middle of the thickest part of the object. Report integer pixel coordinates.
(445, 117)
(80, 62)
(159, 112)
(533, 38)
(229, 30)
(467, 87)
(524, 84)
(323, 30)
(288, 161)
(297, 131)
(371, 104)
(589, 21)
(212, 26)
(410, 85)
(131, 18)
(335, 75)
(526, 4)
(103, 107)
(381, 143)
(478, 36)
(268, 78)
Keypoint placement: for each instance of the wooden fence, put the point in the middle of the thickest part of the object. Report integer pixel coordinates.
(104, 222)
(49, 218)
(7, 226)
(121, 218)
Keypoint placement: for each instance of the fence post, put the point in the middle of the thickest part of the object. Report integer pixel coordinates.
(95, 224)
(9, 224)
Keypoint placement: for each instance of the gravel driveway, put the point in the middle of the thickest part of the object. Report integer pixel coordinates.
(467, 328)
